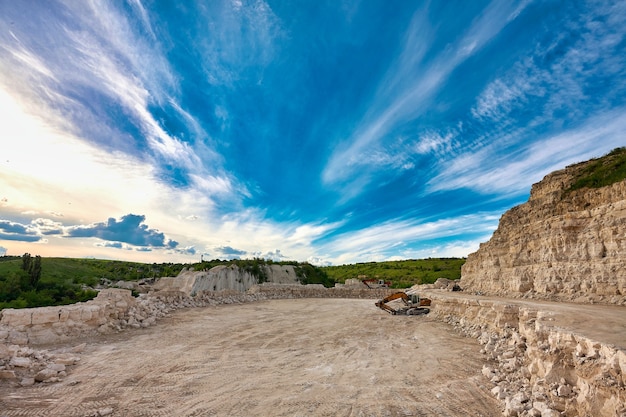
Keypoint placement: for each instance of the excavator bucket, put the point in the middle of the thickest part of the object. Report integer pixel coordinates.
(412, 304)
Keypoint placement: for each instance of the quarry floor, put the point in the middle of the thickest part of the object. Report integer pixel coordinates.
(305, 357)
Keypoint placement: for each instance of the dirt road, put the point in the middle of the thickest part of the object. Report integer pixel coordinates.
(306, 357)
(600, 322)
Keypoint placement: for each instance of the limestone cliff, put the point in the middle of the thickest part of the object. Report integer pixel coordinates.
(224, 277)
(560, 244)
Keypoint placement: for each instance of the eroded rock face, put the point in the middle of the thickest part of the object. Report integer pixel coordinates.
(222, 277)
(558, 245)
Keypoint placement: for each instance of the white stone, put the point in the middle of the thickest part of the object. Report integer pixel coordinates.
(564, 391)
(27, 382)
(487, 371)
(57, 367)
(105, 411)
(20, 362)
(548, 412)
(498, 392)
(513, 407)
(45, 375)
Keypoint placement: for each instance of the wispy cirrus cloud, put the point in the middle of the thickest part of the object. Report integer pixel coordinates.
(244, 41)
(558, 73)
(400, 235)
(558, 78)
(97, 67)
(491, 170)
(402, 96)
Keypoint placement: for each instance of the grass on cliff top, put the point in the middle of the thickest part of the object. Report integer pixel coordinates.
(603, 171)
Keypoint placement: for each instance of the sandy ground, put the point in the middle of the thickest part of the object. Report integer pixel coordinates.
(307, 357)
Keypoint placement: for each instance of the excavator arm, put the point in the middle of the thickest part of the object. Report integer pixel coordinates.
(412, 304)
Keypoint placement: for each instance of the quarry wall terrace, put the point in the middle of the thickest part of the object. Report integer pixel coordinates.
(536, 368)
(557, 246)
(548, 358)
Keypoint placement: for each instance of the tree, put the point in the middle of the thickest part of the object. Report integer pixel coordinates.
(32, 267)
(26, 261)
(35, 271)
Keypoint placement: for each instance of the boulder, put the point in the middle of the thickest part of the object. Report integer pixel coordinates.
(20, 362)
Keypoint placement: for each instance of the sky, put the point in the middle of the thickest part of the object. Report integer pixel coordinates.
(330, 131)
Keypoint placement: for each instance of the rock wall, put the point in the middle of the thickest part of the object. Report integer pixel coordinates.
(53, 324)
(222, 277)
(567, 246)
(537, 369)
(273, 291)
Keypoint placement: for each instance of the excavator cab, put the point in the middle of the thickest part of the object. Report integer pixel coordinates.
(412, 304)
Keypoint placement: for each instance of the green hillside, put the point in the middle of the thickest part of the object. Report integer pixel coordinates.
(59, 281)
(402, 274)
(66, 280)
(69, 280)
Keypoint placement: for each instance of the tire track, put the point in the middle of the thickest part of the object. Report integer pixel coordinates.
(304, 357)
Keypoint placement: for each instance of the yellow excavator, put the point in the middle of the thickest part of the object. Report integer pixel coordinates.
(412, 305)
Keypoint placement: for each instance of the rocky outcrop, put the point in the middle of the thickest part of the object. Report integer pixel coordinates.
(224, 277)
(538, 369)
(558, 245)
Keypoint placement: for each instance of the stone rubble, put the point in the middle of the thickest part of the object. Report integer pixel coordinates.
(115, 310)
(536, 371)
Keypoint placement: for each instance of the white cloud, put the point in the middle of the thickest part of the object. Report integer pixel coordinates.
(561, 70)
(432, 141)
(492, 170)
(403, 96)
(406, 236)
(243, 42)
(499, 98)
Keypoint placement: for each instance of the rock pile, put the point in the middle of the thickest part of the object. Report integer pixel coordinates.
(537, 370)
(25, 366)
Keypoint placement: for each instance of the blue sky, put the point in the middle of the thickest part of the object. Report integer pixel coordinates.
(324, 131)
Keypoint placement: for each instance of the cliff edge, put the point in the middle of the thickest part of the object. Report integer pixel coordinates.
(567, 242)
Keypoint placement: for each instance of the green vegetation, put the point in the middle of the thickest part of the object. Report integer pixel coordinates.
(32, 281)
(603, 171)
(27, 281)
(402, 274)
(309, 274)
(23, 283)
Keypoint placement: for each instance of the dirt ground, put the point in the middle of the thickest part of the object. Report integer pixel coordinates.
(306, 357)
